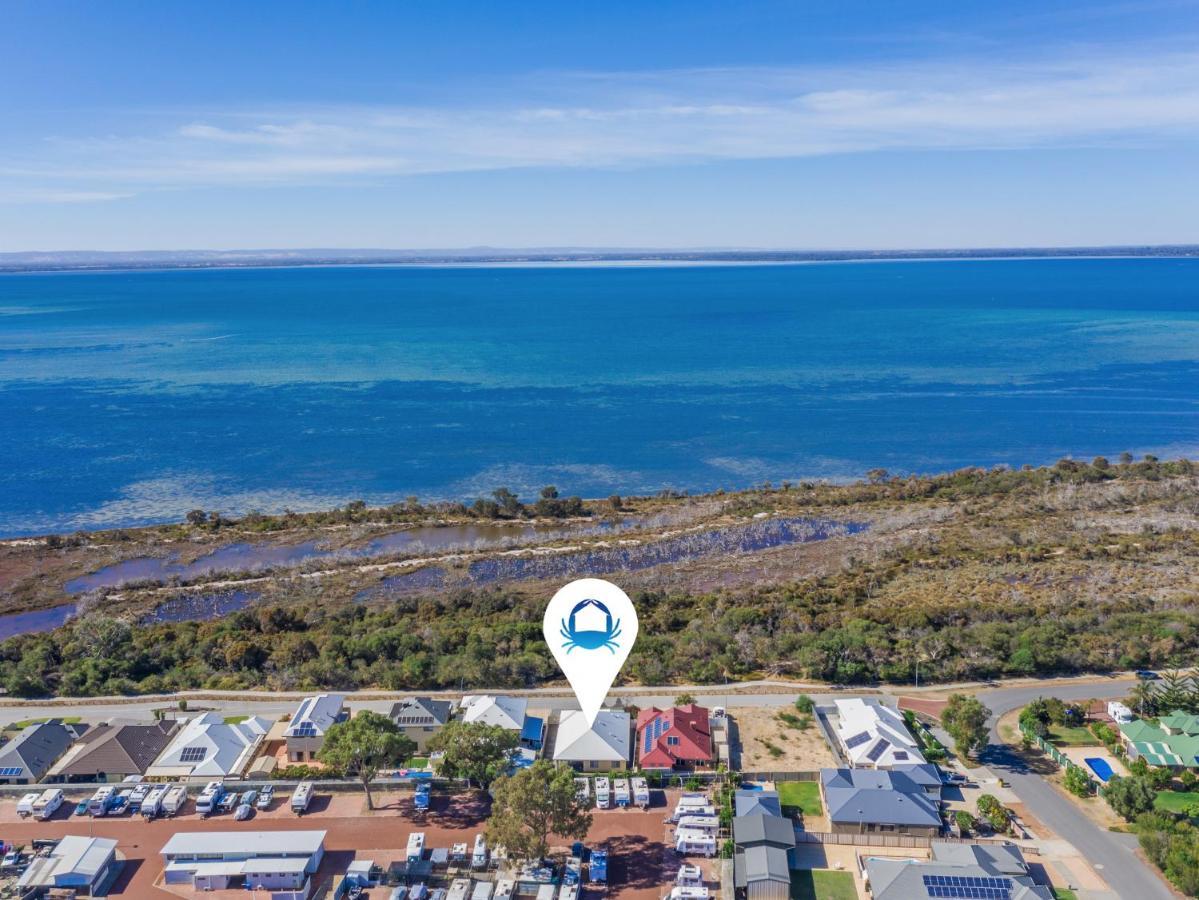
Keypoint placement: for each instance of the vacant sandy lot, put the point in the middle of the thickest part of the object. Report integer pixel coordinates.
(757, 729)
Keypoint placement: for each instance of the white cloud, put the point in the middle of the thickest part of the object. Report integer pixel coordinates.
(637, 119)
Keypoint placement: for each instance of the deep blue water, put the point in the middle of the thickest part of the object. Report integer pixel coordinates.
(132, 397)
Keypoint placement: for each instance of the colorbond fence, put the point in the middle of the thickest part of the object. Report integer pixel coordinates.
(1058, 757)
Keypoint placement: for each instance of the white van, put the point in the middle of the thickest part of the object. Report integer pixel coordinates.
(603, 795)
(301, 797)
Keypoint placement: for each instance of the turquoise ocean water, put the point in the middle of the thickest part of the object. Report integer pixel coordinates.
(132, 397)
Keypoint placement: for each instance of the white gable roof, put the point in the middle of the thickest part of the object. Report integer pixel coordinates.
(208, 746)
(875, 736)
(315, 715)
(507, 712)
(607, 740)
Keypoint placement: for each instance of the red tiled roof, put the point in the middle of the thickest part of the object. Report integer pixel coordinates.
(687, 724)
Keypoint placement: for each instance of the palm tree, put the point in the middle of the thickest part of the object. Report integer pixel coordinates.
(1143, 698)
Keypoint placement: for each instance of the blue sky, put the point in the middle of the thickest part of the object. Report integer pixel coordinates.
(149, 125)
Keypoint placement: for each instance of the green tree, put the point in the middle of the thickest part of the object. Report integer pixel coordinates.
(534, 803)
(363, 745)
(995, 813)
(965, 718)
(474, 751)
(684, 700)
(1130, 796)
(1077, 782)
(966, 822)
(805, 704)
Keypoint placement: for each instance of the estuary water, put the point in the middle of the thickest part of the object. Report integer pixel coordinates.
(132, 397)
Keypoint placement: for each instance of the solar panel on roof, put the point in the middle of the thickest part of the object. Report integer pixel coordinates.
(968, 887)
(193, 754)
(878, 750)
(858, 739)
(10, 771)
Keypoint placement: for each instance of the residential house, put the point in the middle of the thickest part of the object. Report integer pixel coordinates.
(305, 733)
(28, 757)
(861, 801)
(599, 748)
(874, 736)
(207, 747)
(82, 865)
(113, 751)
(763, 844)
(675, 738)
(254, 860)
(1172, 743)
(955, 870)
(511, 713)
(420, 718)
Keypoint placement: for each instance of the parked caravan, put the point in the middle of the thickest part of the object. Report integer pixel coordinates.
(574, 870)
(399, 893)
(101, 801)
(478, 856)
(459, 889)
(603, 796)
(622, 792)
(505, 889)
(439, 856)
(151, 807)
(597, 868)
(138, 797)
(568, 892)
(175, 799)
(25, 805)
(482, 891)
(47, 804)
(688, 892)
(692, 804)
(584, 789)
(416, 846)
(418, 891)
(695, 842)
(301, 797)
(546, 892)
(700, 823)
(689, 875)
(206, 803)
(458, 852)
(641, 792)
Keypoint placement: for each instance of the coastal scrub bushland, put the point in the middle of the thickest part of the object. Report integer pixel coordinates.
(990, 573)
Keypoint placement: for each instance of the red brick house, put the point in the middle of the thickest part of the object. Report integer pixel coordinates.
(675, 738)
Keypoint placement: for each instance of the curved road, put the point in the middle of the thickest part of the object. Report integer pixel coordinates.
(1113, 855)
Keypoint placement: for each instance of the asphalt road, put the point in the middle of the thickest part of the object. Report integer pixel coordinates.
(1112, 855)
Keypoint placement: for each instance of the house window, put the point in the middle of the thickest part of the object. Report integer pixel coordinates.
(672, 741)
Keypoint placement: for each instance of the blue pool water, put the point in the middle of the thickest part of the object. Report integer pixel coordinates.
(1101, 768)
(132, 397)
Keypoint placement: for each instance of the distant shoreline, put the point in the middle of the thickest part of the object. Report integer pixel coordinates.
(84, 261)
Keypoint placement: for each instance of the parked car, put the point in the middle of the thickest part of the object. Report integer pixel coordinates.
(228, 802)
(249, 798)
(12, 859)
(81, 808)
(266, 796)
(243, 812)
(1147, 675)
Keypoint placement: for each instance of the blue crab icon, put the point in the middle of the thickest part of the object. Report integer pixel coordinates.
(603, 632)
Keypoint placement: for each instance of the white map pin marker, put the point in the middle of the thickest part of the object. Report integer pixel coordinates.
(590, 626)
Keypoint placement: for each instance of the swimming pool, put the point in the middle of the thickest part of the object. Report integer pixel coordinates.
(1101, 768)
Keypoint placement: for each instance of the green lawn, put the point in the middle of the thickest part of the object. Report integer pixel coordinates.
(1066, 736)
(235, 720)
(417, 762)
(1064, 894)
(822, 884)
(802, 794)
(1176, 801)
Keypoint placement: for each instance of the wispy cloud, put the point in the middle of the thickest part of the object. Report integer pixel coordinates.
(638, 119)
